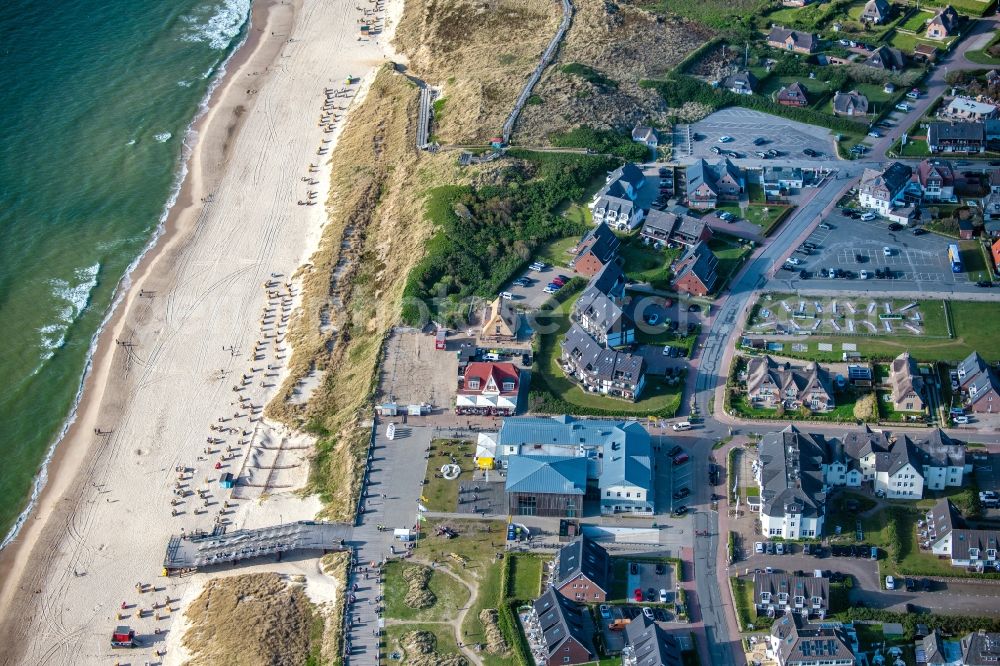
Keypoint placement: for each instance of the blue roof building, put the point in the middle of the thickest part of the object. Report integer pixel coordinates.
(546, 485)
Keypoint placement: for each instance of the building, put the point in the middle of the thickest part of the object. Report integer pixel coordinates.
(964, 108)
(664, 227)
(981, 648)
(886, 58)
(617, 455)
(875, 11)
(546, 486)
(602, 317)
(793, 95)
(566, 630)
(880, 190)
(741, 83)
(947, 535)
(601, 370)
(967, 137)
(597, 248)
(792, 40)
(614, 204)
(789, 473)
(942, 459)
(971, 365)
(979, 384)
(939, 652)
(488, 388)
(770, 383)
(610, 281)
(707, 184)
(778, 181)
(850, 104)
(793, 642)
(647, 644)
(925, 52)
(582, 571)
(500, 322)
(695, 272)
(897, 472)
(995, 251)
(944, 24)
(775, 594)
(860, 450)
(645, 135)
(907, 384)
(934, 180)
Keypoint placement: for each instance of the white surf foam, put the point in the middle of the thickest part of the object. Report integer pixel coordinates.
(222, 23)
(163, 137)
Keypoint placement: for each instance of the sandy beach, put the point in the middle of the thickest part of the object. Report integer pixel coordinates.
(194, 352)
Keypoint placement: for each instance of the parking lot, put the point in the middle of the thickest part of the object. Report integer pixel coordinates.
(743, 125)
(532, 296)
(618, 616)
(856, 245)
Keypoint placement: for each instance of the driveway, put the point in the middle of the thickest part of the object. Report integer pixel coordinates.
(744, 125)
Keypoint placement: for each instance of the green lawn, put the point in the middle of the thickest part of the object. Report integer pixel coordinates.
(555, 252)
(875, 92)
(643, 263)
(443, 633)
(842, 413)
(477, 542)
(442, 494)
(973, 261)
(973, 7)
(906, 42)
(917, 21)
(451, 596)
(731, 256)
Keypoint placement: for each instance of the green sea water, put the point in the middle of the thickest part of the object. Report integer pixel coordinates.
(97, 99)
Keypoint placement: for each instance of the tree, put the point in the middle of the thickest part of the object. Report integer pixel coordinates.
(864, 408)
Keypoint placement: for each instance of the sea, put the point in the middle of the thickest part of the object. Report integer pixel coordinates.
(97, 101)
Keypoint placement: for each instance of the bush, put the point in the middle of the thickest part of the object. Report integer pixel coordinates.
(949, 624)
(603, 141)
(866, 408)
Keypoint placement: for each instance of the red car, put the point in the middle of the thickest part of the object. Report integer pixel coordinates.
(638, 594)
(558, 281)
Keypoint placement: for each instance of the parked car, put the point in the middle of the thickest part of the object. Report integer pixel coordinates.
(984, 283)
(867, 217)
(895, 226)
(605, 611)
(681, 510)
(824, 225)
(681, 459)
(810, 152)
(779, 548)
(909, 584)
(903, 106)
(919, 231)
(677, 448)
(890, 583)
(661, 569)
(759, 141)
(663, 595)
(651, 594)
(925, 584)
(633, 568)
(874, 133)
(714, 149)
(960, 420)
(887, 251)
(758, 548)
(637, 594)
(725, 138)
(682, 493)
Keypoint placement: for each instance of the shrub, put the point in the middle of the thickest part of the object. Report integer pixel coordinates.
(865, 409)
(603, 141)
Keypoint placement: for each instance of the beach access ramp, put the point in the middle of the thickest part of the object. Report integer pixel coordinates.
(190, 552)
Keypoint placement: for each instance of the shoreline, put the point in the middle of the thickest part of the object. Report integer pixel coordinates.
(64, 527)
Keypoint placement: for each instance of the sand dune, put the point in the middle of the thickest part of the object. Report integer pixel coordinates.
(190, 336)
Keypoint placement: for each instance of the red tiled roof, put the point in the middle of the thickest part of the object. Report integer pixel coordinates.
(500, 372)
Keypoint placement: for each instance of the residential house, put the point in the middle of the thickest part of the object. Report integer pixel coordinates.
(991, 216)
(964, 108)
(968, 137)
(794, 642)
(778, 181)
(793, 95)
(862, 448)
(617, 455)
(942, 459)
(887, 58)
(993, 125)
(880, 190)
(791, 40)
(995, 251)
(646, 135)
(981, 648)
(789, 472)
(971, 365)
(965, 228)
(546, 486)
(707, 184)
(775, 594)
(582, 571)
(741, 83)
(610, 281)
(566, 628)
(875, 11)
(500, 322)
(663, 227)
(944, 24)
(925, 52)
(850, 103)
(770, 383)
(488, 388)
(647, 644)
(614, 204)
(897, 472)
(907, 384)
(939, 652)
(984, 393)
(695, 272)
(934, 180)
(597, 248)
(948, 536)
(601, 370)
(603, 318)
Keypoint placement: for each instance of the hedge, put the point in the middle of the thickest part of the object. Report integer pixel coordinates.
(507, 621)
(955, 625)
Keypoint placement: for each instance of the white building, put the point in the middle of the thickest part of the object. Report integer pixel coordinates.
(792, 489)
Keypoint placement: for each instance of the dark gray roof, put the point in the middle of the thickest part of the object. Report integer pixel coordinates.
(981, 386)
(796, 91)
(943, 518)
(562, 620)
(933, 646)
(970, 366)
(903, 452)
(556, 475)
(785, 376)
(630, 174)
(650, 645)
(893, 178)
(791, 473)
(936, 449)
(858, 444)
(800, 642)
(601, 241)
(981, 648)
(772, 174)
(802, 40)
(603, 313)
(610, 281)
(659, 225)
(584, 556)
(879, 8)
(886, 57)
(604, 364)
(614, 198)
(701, 261)
(963, 540)
(741, 80)
(846, 101)
(643, 133)
(939, 131)
(793, 586)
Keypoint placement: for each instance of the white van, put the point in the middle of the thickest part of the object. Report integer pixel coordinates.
(506, 295)
(868, 217)
(491, 357)
(682, 425)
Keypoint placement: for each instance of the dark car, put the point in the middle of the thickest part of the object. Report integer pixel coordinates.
(661, 569)
(806, 549)
(694, 308)
(984, 283)
(692, 326)
(759, 141)
(674, 451)
(860, 258)
(810, 152)
(681, 510)
(804, 274)
(633, 568)
(925, 584)
(895, 226)
(650, 594)
(836, 551)
(919, 232)
(682, 493)
(660, 615)
(910, 584)
(786, 267)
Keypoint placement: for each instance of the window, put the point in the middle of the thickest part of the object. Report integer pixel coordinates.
(609, 494)
(508, 386)
(474, 384)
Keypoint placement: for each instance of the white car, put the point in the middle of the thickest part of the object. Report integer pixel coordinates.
(758, 547)
(867, 217)
(961, 420)
(890, 583)
(887, 251)
(903, 106)
(794, 261)
(863, 275)
(663, 596)
(648, 612)
(506, 295)
(725, 138)
(913, 94)
(550, 290)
